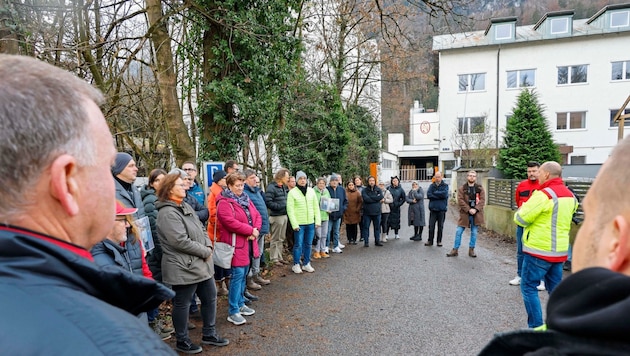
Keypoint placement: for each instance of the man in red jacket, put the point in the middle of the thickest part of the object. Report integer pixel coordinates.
(523, 191)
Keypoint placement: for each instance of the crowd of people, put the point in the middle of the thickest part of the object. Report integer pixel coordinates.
(72, 240)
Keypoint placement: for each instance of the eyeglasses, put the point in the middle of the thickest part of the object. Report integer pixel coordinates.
(122, 219)
(190, 169)
(181, 185)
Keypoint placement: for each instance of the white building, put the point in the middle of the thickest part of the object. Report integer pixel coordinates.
(580, 69)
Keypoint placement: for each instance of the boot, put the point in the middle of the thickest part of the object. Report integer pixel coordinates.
(453, 253)
(260, 280)
(471, 252)
(221, 291)
(253, 285)
(316, 255)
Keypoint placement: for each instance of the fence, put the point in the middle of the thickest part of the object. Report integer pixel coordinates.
(501, 192)
(416, 173)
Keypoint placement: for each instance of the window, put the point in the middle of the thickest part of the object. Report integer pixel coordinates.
(503, 31)
(471, 125)
(626, 122)
(572, 74)
(472, 82)
(576, 120)
(559, 26)
(620, 19)
(578, 159)
(521, 78)
(620, 70)
(388, 163)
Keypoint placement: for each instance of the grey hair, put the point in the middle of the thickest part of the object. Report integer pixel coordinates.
(320, 179)
(249, 172)
(42, 116)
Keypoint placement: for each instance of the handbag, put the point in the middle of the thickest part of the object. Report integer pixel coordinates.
(223, 253)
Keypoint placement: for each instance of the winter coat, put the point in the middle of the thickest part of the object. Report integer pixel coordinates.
(355, 206)
(385, 209)
(319, 194)
(398, 194)
(154, 257)
(438, 196)
(197, 191)
(303, 209)
(56, 301)
(416, 216)
(338, 193)
(372, 197)
(258, 198)
(186, 258)
(215, 192)
(133, 199)
(201, 211)
(232, 219)
(587, 314)
(464, 201)
(109, 253)
(276, 199)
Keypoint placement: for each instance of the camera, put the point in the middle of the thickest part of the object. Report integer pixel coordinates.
(472, 203)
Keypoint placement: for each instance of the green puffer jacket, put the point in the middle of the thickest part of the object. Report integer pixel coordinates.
(303, 209)
(325, 194)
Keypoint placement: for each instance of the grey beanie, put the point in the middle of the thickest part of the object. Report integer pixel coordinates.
(122, 160)
(299, 175)
(182, 173)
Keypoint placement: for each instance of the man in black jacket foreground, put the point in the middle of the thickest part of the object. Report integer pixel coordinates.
(57, 202)
(587, 313)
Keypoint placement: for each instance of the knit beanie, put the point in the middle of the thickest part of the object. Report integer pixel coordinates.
(218, 175)
(299, 175)
(122, 160)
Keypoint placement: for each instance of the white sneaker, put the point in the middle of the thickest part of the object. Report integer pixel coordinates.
(541, 286)
(516, 281)
(308, 268)
(340, 245)
(384, 238)
(296, 269)
(397, 237)
(337, 250)
(326, 250)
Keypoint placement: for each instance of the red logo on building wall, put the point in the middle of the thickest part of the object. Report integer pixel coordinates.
(425, 127)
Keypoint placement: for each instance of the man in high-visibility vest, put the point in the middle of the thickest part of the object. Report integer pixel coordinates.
(546, 217)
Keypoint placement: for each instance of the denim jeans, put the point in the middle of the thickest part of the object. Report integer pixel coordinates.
(535, 270)
(333, 232)
(436, 217)
(519, 250)
(473, 234)
(207, 293)
(237, 288)
(375, 220)
(302, 242)
(322, 234)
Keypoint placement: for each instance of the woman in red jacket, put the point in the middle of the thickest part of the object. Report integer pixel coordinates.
(238, 218)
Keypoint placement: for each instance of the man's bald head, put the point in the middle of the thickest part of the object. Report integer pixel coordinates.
(549, 170)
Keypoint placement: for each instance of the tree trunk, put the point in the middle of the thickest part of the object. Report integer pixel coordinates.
(181, 143)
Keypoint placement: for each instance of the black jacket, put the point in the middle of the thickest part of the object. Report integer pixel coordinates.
(372, 197)
(438, 197)
(587, 314)
(56, 301)
(276, 199)
(340, 194)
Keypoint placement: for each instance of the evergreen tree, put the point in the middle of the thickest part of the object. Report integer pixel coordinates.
(526, 138)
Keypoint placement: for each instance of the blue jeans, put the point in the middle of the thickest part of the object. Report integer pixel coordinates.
(365, 228)
(519, 250)
(237, 288)
(302, 242)
(535, 270)
(333, 232)
(473, 234)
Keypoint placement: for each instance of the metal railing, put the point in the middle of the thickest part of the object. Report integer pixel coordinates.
(420, 174)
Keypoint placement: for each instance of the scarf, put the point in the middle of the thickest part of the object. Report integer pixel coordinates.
(243, 201)
(302, 189)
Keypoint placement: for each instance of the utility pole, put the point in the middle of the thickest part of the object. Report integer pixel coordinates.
(621, 118)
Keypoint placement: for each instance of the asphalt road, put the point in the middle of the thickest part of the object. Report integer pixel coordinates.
(402, 298)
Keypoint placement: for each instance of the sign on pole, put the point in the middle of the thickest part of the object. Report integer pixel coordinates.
(209, 168)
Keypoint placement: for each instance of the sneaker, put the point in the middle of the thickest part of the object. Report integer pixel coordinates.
(215, 340)
(541, 286)
(316, 255)
(384, 238)
(296, 269)
(340, 245)
(188, 347)
(165, 327)
(337, 250)
(567, 266)
(308, 268)
(250, 296)
(516, 281)
(396, 237)
(247, 311)
(236, 319)
(326, 250)
(156, 328)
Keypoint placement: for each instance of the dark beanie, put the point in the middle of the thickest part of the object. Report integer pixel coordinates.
(122, 160)
(218, 175)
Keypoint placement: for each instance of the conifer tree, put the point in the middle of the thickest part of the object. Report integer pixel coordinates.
(527, 137)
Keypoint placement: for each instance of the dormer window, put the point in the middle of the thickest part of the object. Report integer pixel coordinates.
(559, 26)
(503, 31)
(620, 19)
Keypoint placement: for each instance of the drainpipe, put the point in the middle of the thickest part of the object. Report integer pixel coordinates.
(496, 127)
